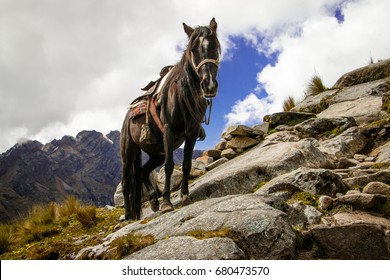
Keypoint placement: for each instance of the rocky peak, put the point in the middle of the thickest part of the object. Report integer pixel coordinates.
(87, 166)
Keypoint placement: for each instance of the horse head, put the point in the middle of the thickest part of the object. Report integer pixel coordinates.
(203, 53)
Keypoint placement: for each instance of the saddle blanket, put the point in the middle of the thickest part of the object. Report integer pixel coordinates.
(138, 108)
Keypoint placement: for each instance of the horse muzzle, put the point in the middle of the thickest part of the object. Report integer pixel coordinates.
(209, 87)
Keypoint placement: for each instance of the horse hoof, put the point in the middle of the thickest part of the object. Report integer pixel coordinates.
(185, 200)
(154, 205)
(166, 207)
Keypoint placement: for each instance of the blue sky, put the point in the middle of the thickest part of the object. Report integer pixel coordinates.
(237, 79)
(67, 66)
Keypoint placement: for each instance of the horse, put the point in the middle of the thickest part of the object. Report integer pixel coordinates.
(184, 97)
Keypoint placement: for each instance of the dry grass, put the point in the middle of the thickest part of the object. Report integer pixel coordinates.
(70, 206)
(49, 231)
(315, 86)
(86, 215)
(288, 104)
(129, 244)
(5, 238)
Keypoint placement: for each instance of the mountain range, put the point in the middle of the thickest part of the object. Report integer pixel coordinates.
(87, 166)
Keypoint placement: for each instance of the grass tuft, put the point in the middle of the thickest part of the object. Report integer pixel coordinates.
(86, 215)
(315, 86)
(288, 104)
(5, 238)
(129, 244)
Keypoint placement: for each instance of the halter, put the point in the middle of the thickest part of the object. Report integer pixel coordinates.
(203, 62)
(196, 69)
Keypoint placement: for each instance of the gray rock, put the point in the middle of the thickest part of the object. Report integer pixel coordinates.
(358, 217)
(216, 154)
(325, 202)
(380, 176)
(241, 142)
(346, 163)
(313, 181)
(261, 231)
(351, 242)
(362, 201)
(176, 178)
(382, 153)
(302, 215)
(377, 188)
(356, 101)
(221, 145)
(243, 173)
(287, 118)
(318, 127)
(229, 153)
(216, 163)
(263, 127)
(243, 130)
(118, 196)
(190, 248)
(346, 144)
(364, 74)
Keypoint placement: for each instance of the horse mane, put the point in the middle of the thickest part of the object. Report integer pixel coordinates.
(181, 74)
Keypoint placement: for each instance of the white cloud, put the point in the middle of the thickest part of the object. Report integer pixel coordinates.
(66, 66)
(327, 48)
(249, 111)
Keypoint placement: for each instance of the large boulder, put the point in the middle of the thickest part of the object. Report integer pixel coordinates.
(287, 118)
(352, 241)
(259, 230)
(242, 174)
(312, 181)
(364, 74)
(347, 144)
(363, 102)
(190, 248)
(320, 127)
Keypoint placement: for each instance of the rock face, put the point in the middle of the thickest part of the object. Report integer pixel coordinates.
(322, 170)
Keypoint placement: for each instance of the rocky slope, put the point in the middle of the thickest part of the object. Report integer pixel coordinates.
(310, 183)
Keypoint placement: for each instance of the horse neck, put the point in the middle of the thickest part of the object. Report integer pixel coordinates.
(191, 94)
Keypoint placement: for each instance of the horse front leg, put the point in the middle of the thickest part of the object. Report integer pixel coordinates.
(187, 164)
(166, 205)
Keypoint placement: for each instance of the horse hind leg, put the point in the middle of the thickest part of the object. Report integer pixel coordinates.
(153, 162)
(131, 184)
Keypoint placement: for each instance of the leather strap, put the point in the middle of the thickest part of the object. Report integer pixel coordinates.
(153, 112)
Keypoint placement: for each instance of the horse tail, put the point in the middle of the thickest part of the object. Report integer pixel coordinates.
(131, 172)
(138, 190)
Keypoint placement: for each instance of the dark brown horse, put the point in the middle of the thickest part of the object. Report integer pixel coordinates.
(181, 111)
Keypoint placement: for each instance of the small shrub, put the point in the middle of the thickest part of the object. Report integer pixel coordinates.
(288, 104)
(69, 207)
(130, 243)
(315, 86)
(5, 238)
(86, 215)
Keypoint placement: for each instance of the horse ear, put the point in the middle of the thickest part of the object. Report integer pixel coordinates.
(188, 30)
(213, 25)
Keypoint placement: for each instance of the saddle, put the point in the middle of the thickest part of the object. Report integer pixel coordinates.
(148, 102)
(152, 87)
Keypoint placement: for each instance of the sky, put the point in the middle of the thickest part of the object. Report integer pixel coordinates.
(68, 66)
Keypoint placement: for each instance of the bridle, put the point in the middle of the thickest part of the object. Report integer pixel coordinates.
(196, 68)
